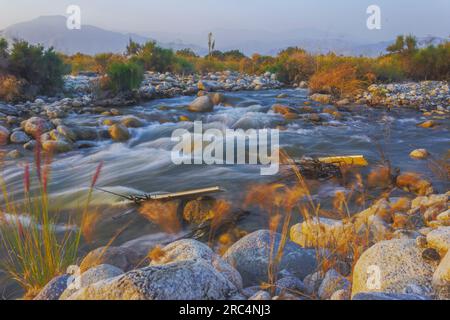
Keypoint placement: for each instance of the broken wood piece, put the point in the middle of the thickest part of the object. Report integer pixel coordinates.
(357, 160)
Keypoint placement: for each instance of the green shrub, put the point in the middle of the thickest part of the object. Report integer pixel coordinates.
(125, 77)
(40, 68)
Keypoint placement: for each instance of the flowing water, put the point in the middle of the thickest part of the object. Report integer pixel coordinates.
(143, 164)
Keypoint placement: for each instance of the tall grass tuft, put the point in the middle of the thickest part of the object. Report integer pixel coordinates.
(35, 248)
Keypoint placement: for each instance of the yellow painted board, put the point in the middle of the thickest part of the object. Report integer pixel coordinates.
(357, 160)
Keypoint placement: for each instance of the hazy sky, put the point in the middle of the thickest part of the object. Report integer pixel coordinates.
(419, 17)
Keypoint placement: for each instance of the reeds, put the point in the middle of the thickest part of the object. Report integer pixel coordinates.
(35, 248)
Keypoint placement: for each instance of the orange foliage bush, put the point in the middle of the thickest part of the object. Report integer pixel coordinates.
(10, 88)
(341, 80)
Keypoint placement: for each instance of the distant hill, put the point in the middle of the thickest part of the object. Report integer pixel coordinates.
(51, 31)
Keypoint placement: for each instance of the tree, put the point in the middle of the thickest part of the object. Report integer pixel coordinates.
(187, 53)
(133, 48)
(211, 43)
(3, 56)
(411, 44)
(397, 46)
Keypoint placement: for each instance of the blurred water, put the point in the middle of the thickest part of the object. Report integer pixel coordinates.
(143, 164)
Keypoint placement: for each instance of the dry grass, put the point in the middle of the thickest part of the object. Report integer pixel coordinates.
(35, 249)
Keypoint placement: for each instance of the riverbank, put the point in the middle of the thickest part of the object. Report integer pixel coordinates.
(406, 258)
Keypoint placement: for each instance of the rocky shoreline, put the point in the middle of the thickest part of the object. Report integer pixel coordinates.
(409, 246)
(20, 123)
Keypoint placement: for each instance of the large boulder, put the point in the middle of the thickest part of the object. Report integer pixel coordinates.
(123, 258)
(180, 280)
(251, 257)
(201, 104)
(54, 289)
(441, 278)
(132, 122)
(189, 249)
(439, 239)
(37, 126)
(390, 266)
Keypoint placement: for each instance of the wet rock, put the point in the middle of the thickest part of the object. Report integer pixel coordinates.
(282, 109)
(14, 154)
(58, 146)
(4, 136)
(54, 289)
(439, 239)
(201, 104)
(430, 254)
(427, 124)
(387, 296)
(181, 280)
(217, 98)
(189, 249)
(67, 133)
(36, 125)
(321, 98)
(251, 254)
(86, 133)
(132, 122)
(119, 133)
(419, 154)
(331, 283)
(389, 266)
(30, 145)
(120, 257)
(19, 137)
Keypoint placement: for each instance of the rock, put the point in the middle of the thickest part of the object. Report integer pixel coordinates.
(387, 296)
(261, 296)
(181, 280)
(282, 109)
(217, 98)
(59, 146)
(389, 266)
(282, 96)
(19, 137)
(321, 98)
(421, 242)
(37, 126)
(30, 145)
(86, 133)
(4, 136)
(132, 122)
(250, 257)
(427, 124)
(444, 217)
(189, 249)
(54, 289)
(343, 102)
(312, 282)
(419, 154)
(67, 133)
(14, 154)
(123, 258)
(441, 278)
(430, 254)
(315, 232)
(290, 285)
(343, 294)
(89, 277)
(99, 273)
(303, 85)
(119, 133)
(411, 182)
(201, 104)
(207, 85)
(439, 239)
(331, 283)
